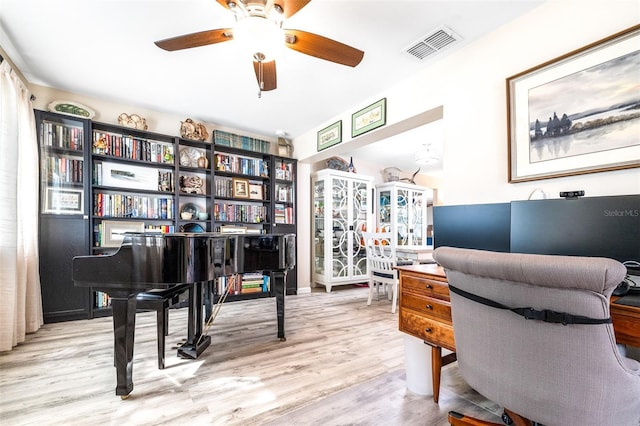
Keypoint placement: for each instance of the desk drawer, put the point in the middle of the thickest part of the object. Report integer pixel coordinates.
(427, 306)
(429, 330)
(425, 286)
(625, 327)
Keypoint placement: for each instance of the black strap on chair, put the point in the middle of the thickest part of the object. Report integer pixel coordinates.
(545, 315)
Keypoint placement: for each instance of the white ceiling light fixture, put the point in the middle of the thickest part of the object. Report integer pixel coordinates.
(256, 34)
(427, 156)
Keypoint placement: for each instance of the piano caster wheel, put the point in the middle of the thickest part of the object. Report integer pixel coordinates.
(283, 339)
(123, 397)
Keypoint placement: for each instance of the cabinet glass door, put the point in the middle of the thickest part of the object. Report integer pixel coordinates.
(419, 208)
(62, 165)
(349, 208)
(359, 223)
(340, 222)
(319, 231)
(63, 228)
(385, 209)
(402, 221)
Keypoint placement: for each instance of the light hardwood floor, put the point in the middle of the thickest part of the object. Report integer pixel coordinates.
(342, 364)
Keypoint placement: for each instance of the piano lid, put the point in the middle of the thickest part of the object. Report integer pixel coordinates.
(145, 259)
(149, 259)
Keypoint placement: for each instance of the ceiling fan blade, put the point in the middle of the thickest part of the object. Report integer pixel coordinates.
(268, 75)
(202, 38)
(322, 47)
(290, 7)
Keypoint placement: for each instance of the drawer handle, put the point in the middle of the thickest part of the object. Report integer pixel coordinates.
(428, 330)
(429, 286)
(429, 307)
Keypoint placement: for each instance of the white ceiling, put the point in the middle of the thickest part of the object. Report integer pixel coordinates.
(105, 49)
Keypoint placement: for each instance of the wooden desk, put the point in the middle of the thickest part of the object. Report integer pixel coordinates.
(425, 313)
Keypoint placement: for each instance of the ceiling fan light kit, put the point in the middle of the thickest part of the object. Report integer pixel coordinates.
(427, 156)
(259, 32)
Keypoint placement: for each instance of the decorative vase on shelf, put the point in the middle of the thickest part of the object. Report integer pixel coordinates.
(350, 168)
(203, 162)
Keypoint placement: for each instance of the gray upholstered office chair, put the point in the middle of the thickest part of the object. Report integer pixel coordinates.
(559, 367)
(381, 259)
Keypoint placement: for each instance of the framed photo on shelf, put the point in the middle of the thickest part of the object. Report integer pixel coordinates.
(63, 201)
(255, 191)
(369, 118)
(577, 113)
(113, 231)
(330, 135)
(240, 188)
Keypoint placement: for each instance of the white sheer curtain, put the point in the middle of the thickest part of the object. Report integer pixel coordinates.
(20, 299)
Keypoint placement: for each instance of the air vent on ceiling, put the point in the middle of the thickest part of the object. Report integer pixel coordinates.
(431, 43)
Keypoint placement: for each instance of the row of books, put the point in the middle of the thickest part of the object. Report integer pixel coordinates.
(283, 214)
(64, 170)
(61, 136)
(247, 213)
(99, 234)
(241, 165)
(132, 206)
(244, 284)
(223, 138)
(129, 147)
(101, 300)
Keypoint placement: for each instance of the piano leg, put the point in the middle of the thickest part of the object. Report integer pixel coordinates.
(196, 342)
(278, 278)
(124, 325)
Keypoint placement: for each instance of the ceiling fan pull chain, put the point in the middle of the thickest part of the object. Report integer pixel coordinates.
(259, 56)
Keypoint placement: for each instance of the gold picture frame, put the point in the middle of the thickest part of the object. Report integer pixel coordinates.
(240, 188)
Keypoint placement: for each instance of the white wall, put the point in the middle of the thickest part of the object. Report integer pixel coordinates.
(471, 86)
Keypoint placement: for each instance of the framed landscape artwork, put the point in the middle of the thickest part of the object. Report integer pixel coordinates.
(577, 114)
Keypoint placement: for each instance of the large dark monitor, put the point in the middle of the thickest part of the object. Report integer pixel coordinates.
(474, 226)
(594, 226)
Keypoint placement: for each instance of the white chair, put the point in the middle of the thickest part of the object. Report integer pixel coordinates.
(381, 260)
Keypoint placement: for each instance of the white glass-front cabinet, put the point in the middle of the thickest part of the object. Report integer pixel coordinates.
(342, 209)
(402, 210)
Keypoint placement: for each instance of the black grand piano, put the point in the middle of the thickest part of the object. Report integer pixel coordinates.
(158, 261)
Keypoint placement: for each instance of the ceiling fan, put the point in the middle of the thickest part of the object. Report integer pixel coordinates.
(263, 19)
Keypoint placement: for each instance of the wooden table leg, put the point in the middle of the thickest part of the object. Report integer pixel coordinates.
(436, 367)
